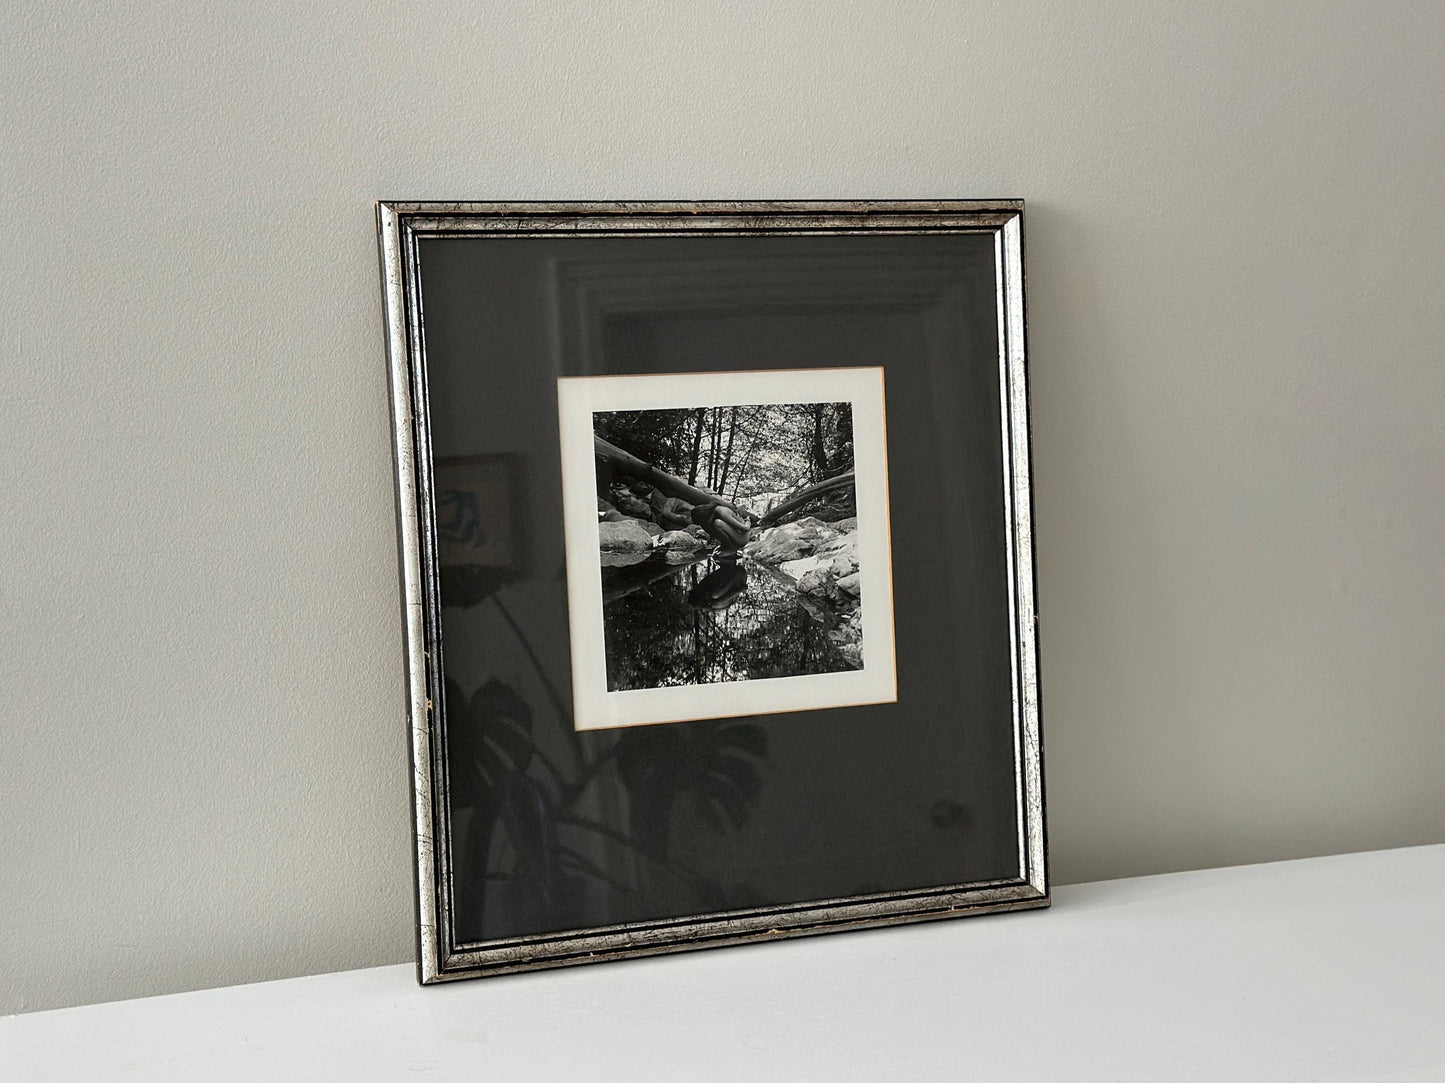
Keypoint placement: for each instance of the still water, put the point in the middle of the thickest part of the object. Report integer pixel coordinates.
(708, 621)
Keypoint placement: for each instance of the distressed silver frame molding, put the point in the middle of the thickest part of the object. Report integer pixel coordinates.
(400, 226)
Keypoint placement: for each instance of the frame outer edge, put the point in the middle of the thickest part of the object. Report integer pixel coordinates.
(1026, 567)
(399, 225)
(444, 209)
(390, 238)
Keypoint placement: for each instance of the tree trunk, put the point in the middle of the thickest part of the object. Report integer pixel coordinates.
(722, 479)
(714, 438)
(696, 446)
(820, 454)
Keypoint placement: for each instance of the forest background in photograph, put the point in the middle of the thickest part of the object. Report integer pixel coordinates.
(751, 455)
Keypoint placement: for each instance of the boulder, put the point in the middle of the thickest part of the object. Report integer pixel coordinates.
(776, 547)
(846, 525)
(626, 536)
(607, 513)
(813, 530)
(621, 560)
(851, 584)
(651, 527)
(842, 550)
(631, 505)
(790, 541)
(796, 569)
(679, 540)
(815, 582)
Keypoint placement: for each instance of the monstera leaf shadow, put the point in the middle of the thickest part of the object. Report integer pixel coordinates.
(490, 749)
(489, 739)
(714, 763)
(515, 861)
(465, 585)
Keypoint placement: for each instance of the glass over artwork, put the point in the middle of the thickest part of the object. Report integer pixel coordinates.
(676, 530)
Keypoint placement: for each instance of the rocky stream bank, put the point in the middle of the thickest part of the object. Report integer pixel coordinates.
(816, 561)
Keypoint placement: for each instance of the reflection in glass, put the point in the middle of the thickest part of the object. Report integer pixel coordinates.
(539, 849)
(554, 829)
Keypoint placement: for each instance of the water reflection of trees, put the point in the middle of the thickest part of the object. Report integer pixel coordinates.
(654, 638)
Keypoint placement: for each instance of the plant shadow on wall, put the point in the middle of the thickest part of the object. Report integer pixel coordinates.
(555, 829)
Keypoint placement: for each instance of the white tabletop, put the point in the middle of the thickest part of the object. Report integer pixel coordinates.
(1327, 969)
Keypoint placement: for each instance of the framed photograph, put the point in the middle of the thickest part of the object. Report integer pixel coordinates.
(715, 540)
(674, 625)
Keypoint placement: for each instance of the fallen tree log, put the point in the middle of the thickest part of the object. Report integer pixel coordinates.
(795, 502)
(625, 462)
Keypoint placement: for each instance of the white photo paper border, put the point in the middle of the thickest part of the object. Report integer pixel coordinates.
(578, 398)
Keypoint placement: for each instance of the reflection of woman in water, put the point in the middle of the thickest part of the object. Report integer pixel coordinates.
(720, 588)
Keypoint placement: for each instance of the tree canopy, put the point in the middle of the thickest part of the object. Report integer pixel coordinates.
(753, 455)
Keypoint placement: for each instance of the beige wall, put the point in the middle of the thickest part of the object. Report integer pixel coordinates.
(1236, 244)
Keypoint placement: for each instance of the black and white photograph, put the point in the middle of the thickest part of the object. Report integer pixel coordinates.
(730, 543)
(728, 538)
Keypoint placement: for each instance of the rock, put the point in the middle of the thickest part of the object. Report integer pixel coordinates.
(814, 582)
(606, 513)
(851, 584)
(819, 610)
(796, 569)
(842, 550)
(651, 527)
(846, 526)
(775, 547)
(630, 505)
(679, 540)
(848, 639)
(814, 530)
(627, 536)
(790, 541)
(852, 652)
(622, 560)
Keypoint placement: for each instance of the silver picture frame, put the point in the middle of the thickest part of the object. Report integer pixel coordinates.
(991, 232)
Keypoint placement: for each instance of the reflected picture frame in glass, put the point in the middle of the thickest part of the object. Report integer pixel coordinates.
(715, 537)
